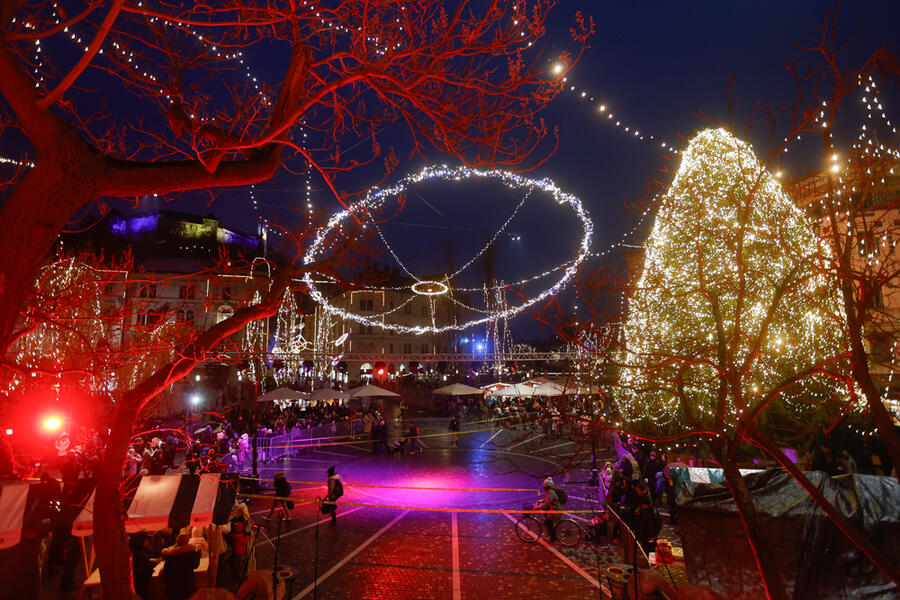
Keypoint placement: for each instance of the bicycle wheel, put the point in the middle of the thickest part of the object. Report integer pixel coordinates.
(529, 529)
(568, 532)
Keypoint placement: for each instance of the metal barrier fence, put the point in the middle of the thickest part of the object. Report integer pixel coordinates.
(627, 546)
(268, 449)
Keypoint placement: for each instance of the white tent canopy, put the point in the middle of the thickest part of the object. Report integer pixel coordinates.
(330, 394)
(516, 389)
(547, 389)
(158, 497)
(12, 512)
(457, 389)
(282, 393)
(370, 390)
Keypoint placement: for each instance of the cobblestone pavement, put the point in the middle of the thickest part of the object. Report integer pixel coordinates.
(419, 552)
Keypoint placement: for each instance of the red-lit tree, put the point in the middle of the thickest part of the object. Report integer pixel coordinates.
(157, 101)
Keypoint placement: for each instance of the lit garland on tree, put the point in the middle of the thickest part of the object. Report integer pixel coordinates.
(255, 344)
(731, 293)
(289, 340)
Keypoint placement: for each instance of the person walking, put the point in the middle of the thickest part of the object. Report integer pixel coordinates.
(383, 437)
(403, 407)
(376, 434)
(335, 491)
(282, 490)
(412, 435)
(454, 430)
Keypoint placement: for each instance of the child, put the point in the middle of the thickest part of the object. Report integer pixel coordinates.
(239, 541)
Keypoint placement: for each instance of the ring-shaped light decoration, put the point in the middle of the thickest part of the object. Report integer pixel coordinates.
(430, 288)
(375, 199)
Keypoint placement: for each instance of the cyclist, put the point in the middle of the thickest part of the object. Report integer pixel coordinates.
(549, 502)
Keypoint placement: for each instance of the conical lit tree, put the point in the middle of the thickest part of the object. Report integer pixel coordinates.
(731, 314)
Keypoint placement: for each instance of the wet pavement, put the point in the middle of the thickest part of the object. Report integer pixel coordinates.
(427, 544)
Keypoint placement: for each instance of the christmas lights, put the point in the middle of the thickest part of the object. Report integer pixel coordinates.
(375, 200)
(731, 266)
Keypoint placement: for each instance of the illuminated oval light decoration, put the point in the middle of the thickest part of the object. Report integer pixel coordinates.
(430, 288)
(375, 199)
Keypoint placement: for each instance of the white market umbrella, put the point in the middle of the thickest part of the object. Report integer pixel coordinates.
(282, 393)
(366, 391)
(457, 389)
(515, 389)
(329, 394)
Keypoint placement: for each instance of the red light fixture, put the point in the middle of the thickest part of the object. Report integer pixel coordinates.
(381, 371)
(52, 423)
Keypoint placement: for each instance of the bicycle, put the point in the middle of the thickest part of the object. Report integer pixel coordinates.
(530, 528)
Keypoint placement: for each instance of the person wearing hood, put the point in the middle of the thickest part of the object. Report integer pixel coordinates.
(550, 502)
(335, 491)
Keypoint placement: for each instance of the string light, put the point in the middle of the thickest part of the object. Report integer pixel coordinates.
(375, 200)
(606, 112)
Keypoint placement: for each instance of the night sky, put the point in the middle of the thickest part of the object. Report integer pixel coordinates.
(655, 65)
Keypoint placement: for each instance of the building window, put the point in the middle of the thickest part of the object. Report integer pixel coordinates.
(362, 305)
(407, 308)
(390, 348)
(187, 292)
(226, 293)
(424, 349)
(370, 306)
(140, 319)
(152, 290)
(189, 316)
(392, 304)
(179, 316)
(424, 311)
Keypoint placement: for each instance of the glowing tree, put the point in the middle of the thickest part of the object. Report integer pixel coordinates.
(731, 314)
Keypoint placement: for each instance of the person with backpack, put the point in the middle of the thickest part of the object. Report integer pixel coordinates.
(554, 498)
(335, 491)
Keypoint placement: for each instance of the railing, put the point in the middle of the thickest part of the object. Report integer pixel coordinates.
(269, 449)
(627, 545)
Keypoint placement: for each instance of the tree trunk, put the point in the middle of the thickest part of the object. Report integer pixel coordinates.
(38, 208)
(110, 541)
(769, 572)
(842, 522)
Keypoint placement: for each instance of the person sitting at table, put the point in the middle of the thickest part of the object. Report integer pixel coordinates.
(178, 571)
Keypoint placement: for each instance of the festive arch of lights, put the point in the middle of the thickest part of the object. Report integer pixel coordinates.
(375, 199)
(430, 288)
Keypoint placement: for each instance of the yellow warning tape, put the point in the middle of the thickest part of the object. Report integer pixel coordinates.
(421, 508)
(369, 441)
(353, 435)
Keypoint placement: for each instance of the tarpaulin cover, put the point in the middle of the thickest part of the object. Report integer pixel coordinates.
(817, 560)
